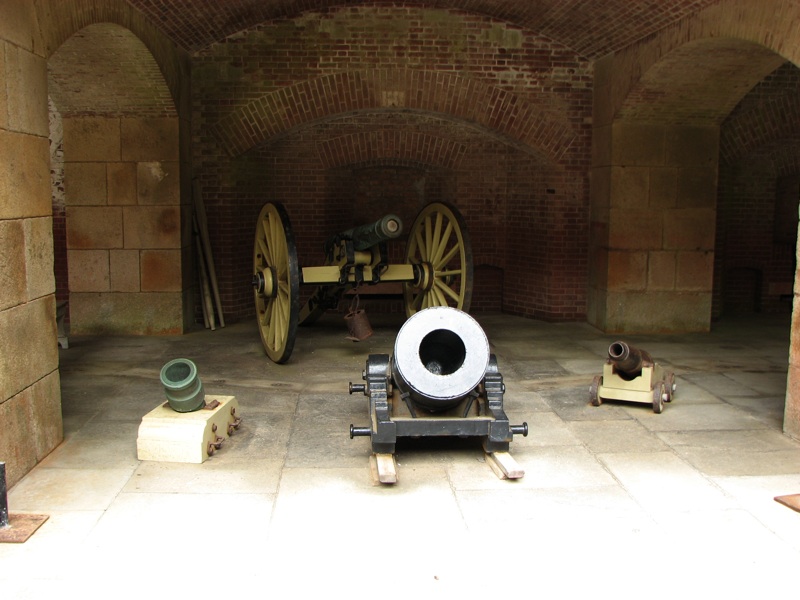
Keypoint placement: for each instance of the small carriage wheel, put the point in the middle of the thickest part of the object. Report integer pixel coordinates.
(439, 249)
(659, 391)
(594, 398)
(670, 384)
(276, 282)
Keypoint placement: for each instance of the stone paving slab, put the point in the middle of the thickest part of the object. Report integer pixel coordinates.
(617, 494)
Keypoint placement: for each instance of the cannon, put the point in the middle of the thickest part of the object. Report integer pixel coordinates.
(631, 374)
(441, 380)
(437, 270)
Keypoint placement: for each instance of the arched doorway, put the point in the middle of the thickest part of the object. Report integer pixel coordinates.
(673, 221)
(119, 240)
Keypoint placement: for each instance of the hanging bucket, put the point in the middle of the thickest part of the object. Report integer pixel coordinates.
(182, 386)
(357, 322)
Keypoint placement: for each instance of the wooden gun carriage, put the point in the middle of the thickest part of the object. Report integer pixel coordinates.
(437, 270)
(631, 375)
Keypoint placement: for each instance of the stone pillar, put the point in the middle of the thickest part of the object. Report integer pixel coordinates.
(652, 224)
(791, 414)
(30, 395)
(127, 237)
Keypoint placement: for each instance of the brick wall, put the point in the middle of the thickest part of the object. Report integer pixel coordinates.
(348, 113)
(756, 262)
(758, 198)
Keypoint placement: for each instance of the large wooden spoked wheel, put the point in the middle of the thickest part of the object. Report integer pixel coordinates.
(439, 249)
(276, 282)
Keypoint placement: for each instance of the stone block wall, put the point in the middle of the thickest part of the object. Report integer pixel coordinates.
(30, 396)
(126, 230)
(654, 219)
(32, 211)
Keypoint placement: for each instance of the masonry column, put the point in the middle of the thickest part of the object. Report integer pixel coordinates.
(791, 415)
(128, 243)
(653, 220)
(600, 193)
(30, 391)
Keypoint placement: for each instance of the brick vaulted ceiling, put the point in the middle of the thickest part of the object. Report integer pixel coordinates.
(592, 28)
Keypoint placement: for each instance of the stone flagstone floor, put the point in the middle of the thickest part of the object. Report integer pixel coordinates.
(616, 500)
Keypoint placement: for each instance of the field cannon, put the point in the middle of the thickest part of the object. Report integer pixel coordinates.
(631, 375)
(441, 380)
(437, 270)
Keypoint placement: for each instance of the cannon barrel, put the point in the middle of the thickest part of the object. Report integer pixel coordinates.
(382, 230)
(627, 359)
(441, 354)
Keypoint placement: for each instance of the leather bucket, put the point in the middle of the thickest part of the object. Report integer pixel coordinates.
(357, 322)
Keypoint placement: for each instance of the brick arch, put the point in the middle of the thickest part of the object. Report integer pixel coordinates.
(765, 24)
(775, 119)
(698, 83)
(466, 99)
(131, 82)
(390, 147)
(781, 154)
(59, 21)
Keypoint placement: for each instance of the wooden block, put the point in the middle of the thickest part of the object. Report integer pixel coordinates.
(383, 467)
(169, 436)
(504, 465)
(791, 500)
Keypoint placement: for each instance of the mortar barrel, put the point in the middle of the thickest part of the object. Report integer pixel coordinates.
(182, 385)
(440, 355)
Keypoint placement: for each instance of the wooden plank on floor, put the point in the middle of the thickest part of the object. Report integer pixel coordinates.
(504, 465)
(21, 527)
(383, 467)
(792, 501)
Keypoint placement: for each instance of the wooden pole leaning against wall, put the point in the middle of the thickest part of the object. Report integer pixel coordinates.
(205, 242)
(207, 304)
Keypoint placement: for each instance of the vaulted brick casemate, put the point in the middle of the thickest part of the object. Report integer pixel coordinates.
(348, 115)
(629, 164)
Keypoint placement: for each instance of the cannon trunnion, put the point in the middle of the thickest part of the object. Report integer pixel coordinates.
(440, 381)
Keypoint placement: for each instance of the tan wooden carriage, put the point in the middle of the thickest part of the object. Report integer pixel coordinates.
(437, 270)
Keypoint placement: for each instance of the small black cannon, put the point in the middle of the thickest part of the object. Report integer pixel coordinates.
(627, 360)
(440, 381)
(631, 374)
(437, 270)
